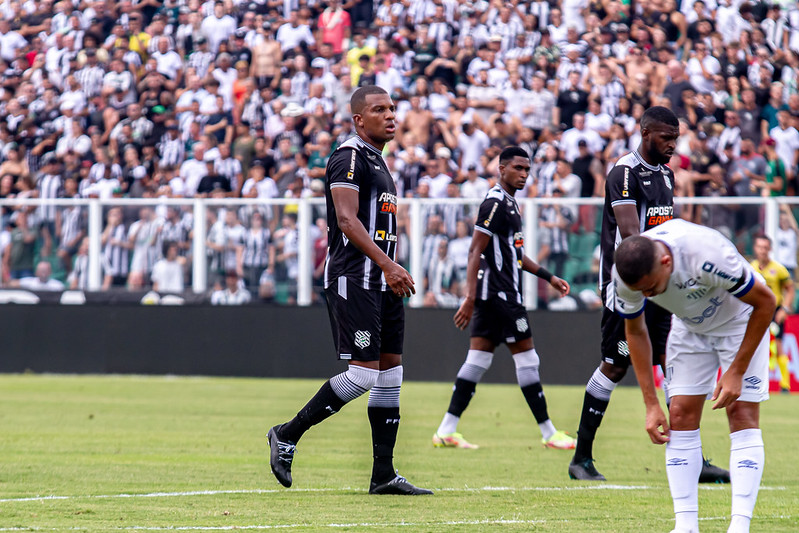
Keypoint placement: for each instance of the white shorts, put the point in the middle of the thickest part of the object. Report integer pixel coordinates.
(693, 361)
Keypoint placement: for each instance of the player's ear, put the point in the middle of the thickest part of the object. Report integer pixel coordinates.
(665, 260)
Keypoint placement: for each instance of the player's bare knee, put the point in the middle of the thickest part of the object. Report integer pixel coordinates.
(612, 372)
(743, 415)
(684, 414)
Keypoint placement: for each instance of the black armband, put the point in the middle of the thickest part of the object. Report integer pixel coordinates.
(544, 274)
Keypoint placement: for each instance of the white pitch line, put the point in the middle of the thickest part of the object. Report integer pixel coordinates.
(498, 521)
(349, 489)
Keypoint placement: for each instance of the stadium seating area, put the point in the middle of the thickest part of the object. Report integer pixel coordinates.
(163, 100)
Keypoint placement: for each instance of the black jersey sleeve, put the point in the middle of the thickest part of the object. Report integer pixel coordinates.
(345, 169)
(622, 186)
(490, 218)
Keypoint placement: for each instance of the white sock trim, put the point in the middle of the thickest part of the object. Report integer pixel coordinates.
(600, 386)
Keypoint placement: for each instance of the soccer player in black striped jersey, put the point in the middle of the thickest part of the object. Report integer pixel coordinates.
(639, 195)
(494, 295)
(364, 286)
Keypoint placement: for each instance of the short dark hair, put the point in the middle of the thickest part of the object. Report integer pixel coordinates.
(358, 99)
(510, 152)
(635, 258)
(659, 115)
(762, 236)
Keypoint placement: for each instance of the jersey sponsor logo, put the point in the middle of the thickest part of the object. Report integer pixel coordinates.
(381, 235)
(625, 188)
(363, 339)
(351, 172)
(658, 214)
(710, 267)
(690, 282)
(645, 173)
(518, 239)
(490, 215)
(521, 325)
(388, 203)
(709, 311)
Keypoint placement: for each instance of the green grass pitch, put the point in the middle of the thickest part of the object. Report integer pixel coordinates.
(111, 453)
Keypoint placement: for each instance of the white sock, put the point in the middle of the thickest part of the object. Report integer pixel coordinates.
(739, 524)
(449, 424)
(747, 458)
(683, 465)
(547, 429)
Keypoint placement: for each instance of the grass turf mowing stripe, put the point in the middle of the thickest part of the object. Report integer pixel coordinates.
(347, 489)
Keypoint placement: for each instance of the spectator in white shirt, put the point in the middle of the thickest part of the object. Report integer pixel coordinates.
(570, 138)
(43, 280)
(219, 27)
(292, 35)
(167, 275)
(701, 68)
(787, 138)
(234, 292)
(472, 142)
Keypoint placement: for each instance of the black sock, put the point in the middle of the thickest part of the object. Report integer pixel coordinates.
(324, 404)
(534, 394)
(385, 424)
(591, 418)
(461, 396)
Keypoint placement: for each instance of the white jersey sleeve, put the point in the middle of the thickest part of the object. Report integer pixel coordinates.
(626, 302)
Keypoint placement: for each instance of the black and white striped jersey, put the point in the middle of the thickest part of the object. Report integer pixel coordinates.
(359, 166)
(115, 257)
(649, 188)
(256, 248)
(500, 272)
(49, 187)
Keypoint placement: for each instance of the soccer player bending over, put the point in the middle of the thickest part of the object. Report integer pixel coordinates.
(494, 295)
(722, 310)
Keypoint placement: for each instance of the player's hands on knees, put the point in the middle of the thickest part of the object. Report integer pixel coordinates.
(399, 280)
(657, 425)
(560, 285)
(464, 314)
(728, 390)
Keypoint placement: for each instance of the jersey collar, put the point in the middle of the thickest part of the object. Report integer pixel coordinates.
(641, 159)
(369, 146)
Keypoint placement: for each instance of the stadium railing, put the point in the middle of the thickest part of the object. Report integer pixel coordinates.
(412, 215)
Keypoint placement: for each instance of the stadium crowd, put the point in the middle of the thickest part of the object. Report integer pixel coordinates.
(183, 98)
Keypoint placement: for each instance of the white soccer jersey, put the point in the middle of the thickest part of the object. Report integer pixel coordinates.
(708, 279)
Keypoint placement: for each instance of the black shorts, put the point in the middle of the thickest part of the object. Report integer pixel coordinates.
(778, 331)
(365, 323)
(500, 321)
(614, 340)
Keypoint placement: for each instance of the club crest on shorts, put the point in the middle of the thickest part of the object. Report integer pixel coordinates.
(624, 349)
(521, 325)
(363, 339)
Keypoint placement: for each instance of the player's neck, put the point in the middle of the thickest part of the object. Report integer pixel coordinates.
(365, 138)
(507, 188)
(646, 157)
